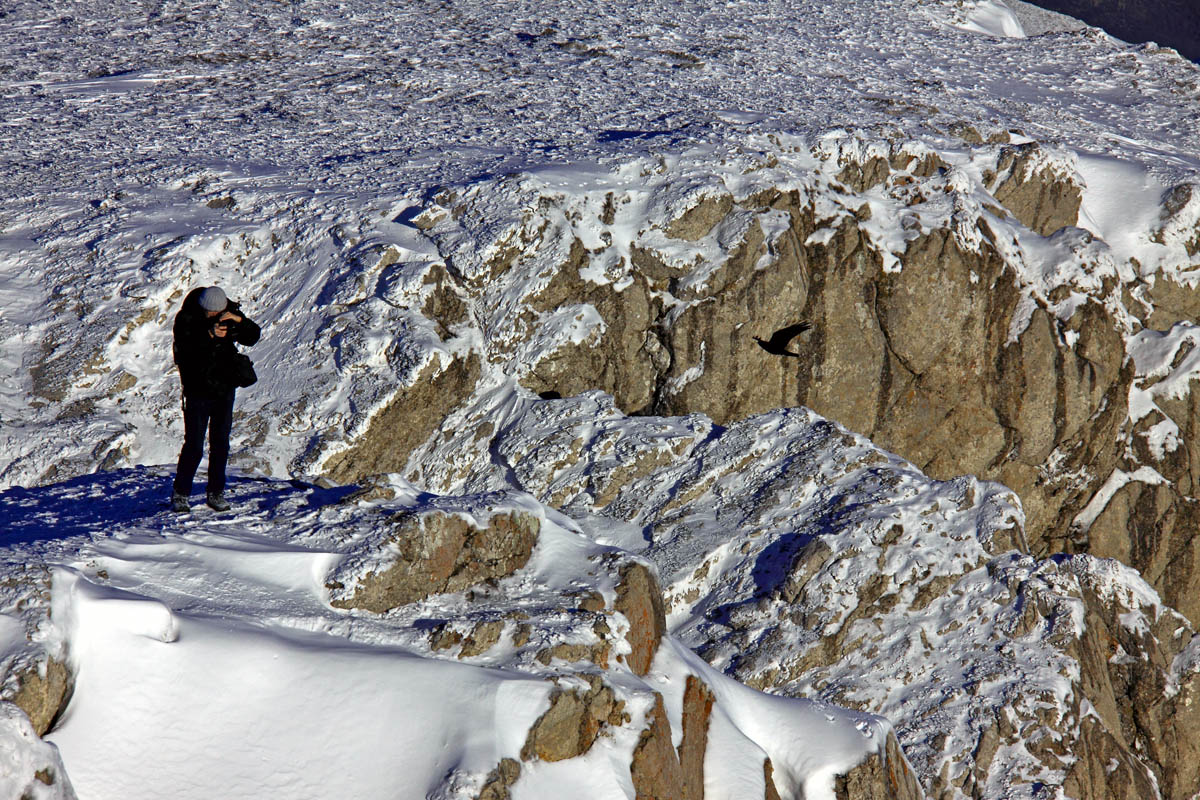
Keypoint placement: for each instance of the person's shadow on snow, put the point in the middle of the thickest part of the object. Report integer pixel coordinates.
(105, 502)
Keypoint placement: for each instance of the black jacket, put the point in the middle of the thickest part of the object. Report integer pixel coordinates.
(204, 360)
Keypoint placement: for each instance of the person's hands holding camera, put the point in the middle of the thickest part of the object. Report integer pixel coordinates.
(221, 327)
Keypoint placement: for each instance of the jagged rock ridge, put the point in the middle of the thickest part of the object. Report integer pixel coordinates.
(957, 351)
(1030, 377)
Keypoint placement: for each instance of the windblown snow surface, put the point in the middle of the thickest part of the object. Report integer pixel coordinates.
(320, 160)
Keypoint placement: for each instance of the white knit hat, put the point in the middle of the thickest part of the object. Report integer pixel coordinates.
(213, 299)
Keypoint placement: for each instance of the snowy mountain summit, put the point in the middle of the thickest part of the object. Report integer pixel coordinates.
(522, 505)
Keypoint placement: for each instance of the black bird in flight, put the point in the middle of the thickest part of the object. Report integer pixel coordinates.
(778, 343)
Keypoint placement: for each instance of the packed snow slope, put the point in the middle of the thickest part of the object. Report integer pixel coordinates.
(439, 210)
(212, 658)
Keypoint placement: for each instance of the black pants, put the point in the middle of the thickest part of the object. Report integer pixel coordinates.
(216, 414)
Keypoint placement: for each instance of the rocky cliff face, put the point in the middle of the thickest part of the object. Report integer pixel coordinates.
(578, 314)
(806, 562)
(958, 351)
(961, 319)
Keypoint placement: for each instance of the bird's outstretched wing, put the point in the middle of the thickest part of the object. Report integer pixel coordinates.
(778, 343)
(781, 338)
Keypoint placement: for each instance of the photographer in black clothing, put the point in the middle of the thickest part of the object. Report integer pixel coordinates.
(207, 328)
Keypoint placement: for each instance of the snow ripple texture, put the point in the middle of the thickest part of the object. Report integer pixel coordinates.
(325, 161)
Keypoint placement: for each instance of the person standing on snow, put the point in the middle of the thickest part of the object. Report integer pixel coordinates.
(210, 369)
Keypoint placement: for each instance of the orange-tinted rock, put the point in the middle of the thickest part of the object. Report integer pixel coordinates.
(640, 600)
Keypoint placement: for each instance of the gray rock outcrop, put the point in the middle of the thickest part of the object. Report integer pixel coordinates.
(444, 553)
(43, 692)
(948, 349)
(883, 777)
(823, 567)
(946, 358)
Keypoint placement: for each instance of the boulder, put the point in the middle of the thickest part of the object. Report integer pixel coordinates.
(639, 599)
(43, 692)
(1034, 191)
(884, 776)
(570, 726)
(444, 553)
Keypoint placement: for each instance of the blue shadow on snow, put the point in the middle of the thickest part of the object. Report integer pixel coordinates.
(105, 502)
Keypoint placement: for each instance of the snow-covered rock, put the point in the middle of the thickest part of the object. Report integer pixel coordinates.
(209, 655)
(803, 560)
(438, 217)
(29, 767)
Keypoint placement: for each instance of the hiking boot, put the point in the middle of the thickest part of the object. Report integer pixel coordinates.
(217, 502)
(179, 503)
